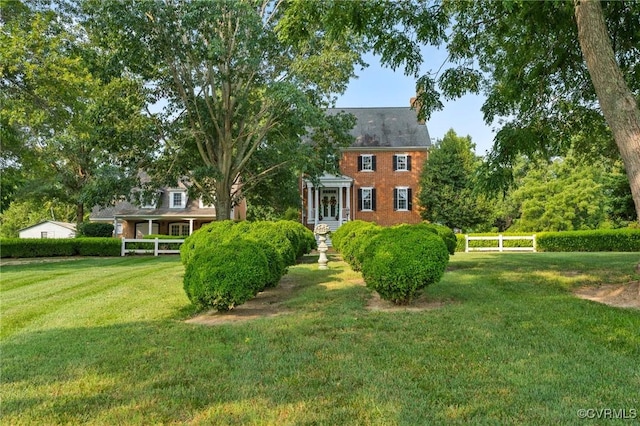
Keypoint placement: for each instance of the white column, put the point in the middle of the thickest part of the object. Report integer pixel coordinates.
(340, 205)
(150, 227)
(190, 226)
(309, 203)
(316, 197)
(349, 202)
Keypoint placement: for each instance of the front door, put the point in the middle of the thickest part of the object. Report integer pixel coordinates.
(329, 204)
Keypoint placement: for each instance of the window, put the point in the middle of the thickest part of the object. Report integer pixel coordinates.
(401, 162)
(177, 200)
(367, 163)
(204, 205)
(44, 234)
(402, 199)
(148, 200)
(179, 229)
(367, 199)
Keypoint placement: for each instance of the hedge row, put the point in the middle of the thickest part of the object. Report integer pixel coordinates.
(624, 240)
(397, 262)
(227, 263)
(627, 240)
(35, 247)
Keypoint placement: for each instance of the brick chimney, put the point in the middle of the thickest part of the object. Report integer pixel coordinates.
(415, 104)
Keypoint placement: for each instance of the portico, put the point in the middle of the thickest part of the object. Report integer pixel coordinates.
(327, 202)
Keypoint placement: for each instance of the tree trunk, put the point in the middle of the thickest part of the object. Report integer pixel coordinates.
(223, 201)
(79, 214)
(616, 100)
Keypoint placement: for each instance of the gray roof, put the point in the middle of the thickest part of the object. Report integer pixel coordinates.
(393, 127)
(128, 209)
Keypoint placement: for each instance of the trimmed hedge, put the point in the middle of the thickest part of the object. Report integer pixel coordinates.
(399, 262)
(212, 280)
(275, 246)
(53, 247)
(624, 240)
(627, 240)
(460, 245)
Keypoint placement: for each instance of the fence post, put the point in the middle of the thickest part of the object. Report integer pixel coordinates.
(466, 243)
(500, 242)
(122, 248)
(155, 247)
(534, 243)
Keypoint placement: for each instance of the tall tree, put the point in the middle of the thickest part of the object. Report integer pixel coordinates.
(82, 125)
(447, 183)
(540, 64)
(562, 195)
(234, 87)
(617, 102)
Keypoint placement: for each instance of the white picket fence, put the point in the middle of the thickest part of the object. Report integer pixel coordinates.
(156, 250)
(501, 238)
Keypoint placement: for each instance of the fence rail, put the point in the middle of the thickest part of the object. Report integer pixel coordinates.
(156, 249)
(500, 238)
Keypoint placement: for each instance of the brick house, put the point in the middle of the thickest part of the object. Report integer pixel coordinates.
(379, 172)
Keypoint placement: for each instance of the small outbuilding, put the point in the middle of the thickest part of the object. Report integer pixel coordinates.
(49, 229)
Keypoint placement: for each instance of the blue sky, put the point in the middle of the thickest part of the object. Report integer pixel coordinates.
(382, 87)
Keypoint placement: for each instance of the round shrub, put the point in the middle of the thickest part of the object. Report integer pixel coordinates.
(273, 235)
(211, 280)
(209, 235)
(400, 262)
(444, 232)
(216, 233)
(353, 246)
(299, 235)
(346, 232)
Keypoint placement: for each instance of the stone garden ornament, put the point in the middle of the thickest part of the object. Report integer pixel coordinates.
(322, 230)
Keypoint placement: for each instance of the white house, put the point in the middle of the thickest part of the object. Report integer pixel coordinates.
(49, 229)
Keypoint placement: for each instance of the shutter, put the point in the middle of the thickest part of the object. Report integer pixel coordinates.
(359, 163)
(373, 198)
(395, 198)
(359, 199)
(373, 163)
(409, 164)
(409, 200)
(395, 163)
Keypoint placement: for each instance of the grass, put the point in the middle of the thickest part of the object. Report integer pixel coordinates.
(103, 341)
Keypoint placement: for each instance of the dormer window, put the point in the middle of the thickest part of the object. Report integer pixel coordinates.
(149, 200)
(205, 205)
(177, 199)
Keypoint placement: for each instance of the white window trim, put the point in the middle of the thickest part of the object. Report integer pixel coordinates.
(406, 193)
(370, 157)
(406, 162)
(370, 189)
(183, 200)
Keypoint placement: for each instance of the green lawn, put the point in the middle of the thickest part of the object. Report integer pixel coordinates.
(103, 341)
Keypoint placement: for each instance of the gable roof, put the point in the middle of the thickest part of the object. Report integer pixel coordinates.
(66, 225)
(387, 127)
